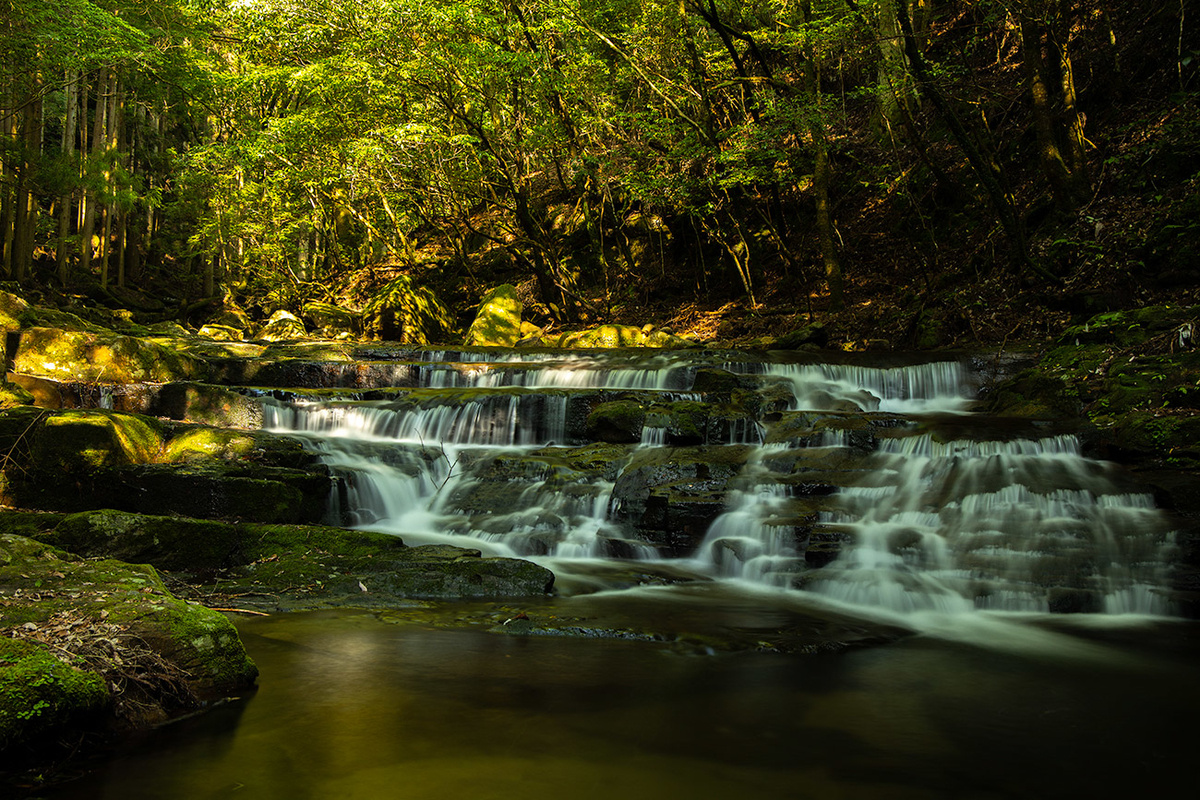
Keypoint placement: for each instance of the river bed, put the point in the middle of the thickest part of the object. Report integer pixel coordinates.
(354, 704)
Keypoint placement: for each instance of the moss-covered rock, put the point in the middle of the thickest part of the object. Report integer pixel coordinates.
(78, 443)
(609, 336)
(1133, 326)
(42, 695)
(72, 355)
(298, 565)
(281, 326)
(222, 333)
(402, 311)
(498, 320)
(617, 422)
(98, 619)
(333, 320)
(169, 543)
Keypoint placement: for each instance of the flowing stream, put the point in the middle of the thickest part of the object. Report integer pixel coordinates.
(480, 453)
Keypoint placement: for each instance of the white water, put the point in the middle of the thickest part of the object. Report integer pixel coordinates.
(930, 525)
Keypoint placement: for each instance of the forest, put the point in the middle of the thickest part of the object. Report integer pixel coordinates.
(921, 172)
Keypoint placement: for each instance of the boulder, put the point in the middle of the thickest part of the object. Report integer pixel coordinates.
(281, 326)
(74, 628)
(71, 355)
(222, 333)
(498, 320)
(403, 311)
(333, 321)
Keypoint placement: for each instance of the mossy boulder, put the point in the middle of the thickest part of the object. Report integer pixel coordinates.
(333, 320)
(403, 311)
(41, 695)
(14, 312)
(609, 336)
(82, 442)
(498, 320)
(72, 355)
(222, 333)
(58, 604)
(813, 336)
(617, 422)
(208, 404)
(281, 326)
(13, 394)
(1135, 326)
(169, 543)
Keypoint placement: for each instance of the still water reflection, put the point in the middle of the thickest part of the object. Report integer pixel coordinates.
(354, 707)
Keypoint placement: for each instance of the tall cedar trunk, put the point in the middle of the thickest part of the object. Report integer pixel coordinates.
(8, 136)
(110, 183)
(892, 74)
(822, 179)
(86, 250)
(26, 202)
(65, 209)
(122, 147)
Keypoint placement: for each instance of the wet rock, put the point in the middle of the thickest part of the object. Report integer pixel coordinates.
(671, 495)
(498, 320)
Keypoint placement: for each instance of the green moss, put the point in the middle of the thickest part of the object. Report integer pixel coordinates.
(40, 693)
(498, 320)
(166, 542)
(85, 441)
(618, 421)
(72, 355)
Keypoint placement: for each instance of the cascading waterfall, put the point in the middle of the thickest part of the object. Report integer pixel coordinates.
(1022, 524)
(957, 525)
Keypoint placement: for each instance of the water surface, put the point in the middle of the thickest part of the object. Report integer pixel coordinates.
(353, 706)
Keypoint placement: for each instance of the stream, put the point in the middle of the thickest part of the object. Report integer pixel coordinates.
(727, 495)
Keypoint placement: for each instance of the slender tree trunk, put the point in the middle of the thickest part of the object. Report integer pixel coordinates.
(8, 175)
(26, 202)
(66, 206)
(822, 179)
(86, 248)
(110, 178)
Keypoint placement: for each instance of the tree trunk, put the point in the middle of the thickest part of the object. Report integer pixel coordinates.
(8, 137)
(985, 171)
(26, 203)
(66, 206)
(1049, 86)
(110, 177)
(86, 247)
(822, 178)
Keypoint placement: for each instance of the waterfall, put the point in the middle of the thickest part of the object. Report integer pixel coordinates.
(485, 449)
